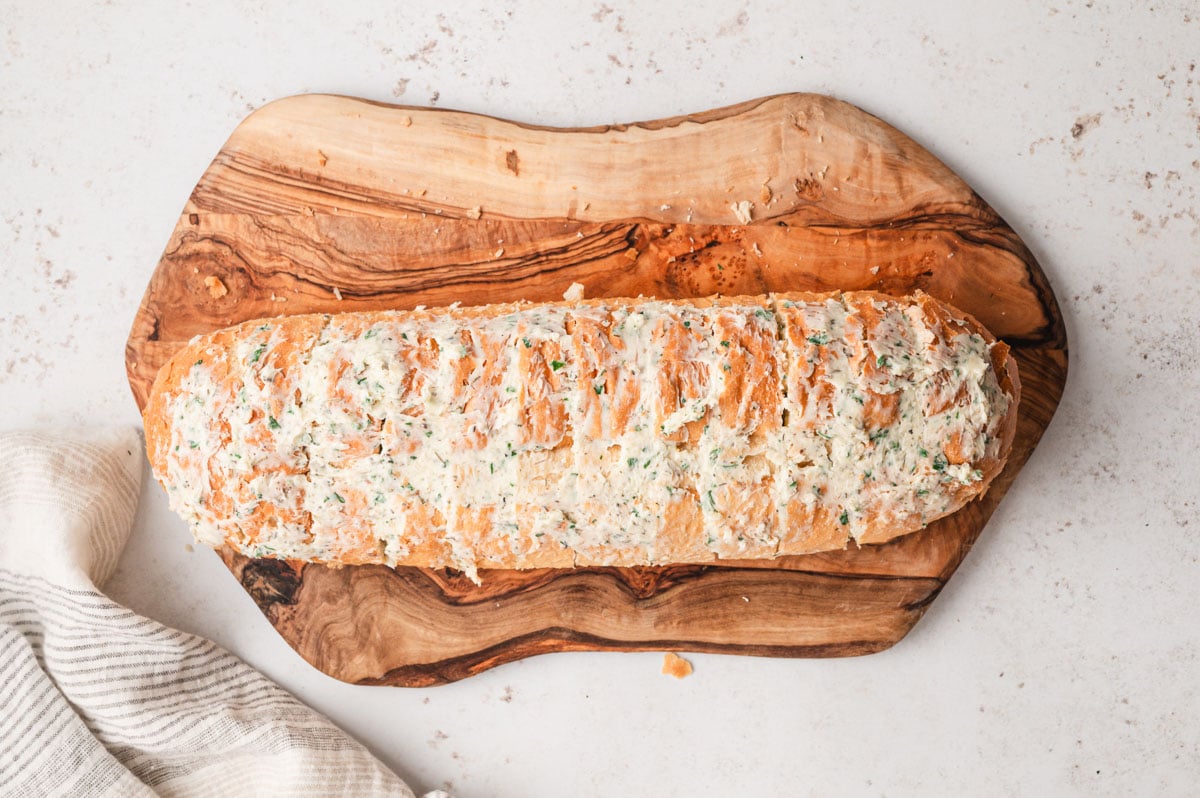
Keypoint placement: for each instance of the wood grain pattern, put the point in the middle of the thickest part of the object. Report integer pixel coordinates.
(331, 204)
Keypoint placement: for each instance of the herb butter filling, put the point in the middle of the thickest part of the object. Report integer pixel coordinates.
(608, 432)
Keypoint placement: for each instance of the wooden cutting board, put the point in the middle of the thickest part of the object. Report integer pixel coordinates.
(331, 204)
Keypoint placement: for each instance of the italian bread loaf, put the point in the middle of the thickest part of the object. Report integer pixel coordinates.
(601, 432)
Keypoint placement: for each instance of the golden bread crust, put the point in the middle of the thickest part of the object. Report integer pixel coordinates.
(638, 431)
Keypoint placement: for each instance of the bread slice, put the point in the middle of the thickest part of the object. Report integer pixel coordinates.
(601, 432)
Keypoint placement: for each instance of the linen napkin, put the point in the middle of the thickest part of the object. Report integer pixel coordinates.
(97, 700)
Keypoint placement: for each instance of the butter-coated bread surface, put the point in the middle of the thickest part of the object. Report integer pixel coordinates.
(606, 432)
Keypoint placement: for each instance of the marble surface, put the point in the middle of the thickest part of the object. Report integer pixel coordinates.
(1064, 656)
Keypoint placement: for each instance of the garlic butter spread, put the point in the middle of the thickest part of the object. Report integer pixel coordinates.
(607, 432)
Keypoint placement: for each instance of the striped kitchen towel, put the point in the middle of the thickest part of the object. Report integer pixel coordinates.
(97, 700)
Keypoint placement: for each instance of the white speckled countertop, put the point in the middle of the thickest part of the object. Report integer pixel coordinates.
(1063, 658)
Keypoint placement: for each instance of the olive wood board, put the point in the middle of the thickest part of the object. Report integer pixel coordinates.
(329, 204)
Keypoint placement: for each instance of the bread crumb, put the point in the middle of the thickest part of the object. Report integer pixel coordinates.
(216, 288)
(664, 207)
(277, 298)
(764, 194)
(631, 253)
(322, 158)
(574, 292)
(475, 213)
(406, 121)
(498, 253)
(743, 211)
(586, 205)
(337, 294)
(675, 665)
(307, 211)
(746, 599)
(874, 270)
(757, 251)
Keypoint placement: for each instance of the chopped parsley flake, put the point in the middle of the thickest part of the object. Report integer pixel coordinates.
(844, 518)
(272, 423)
(258, 353)
(939, 463)
(819, 339)
(555, 365)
